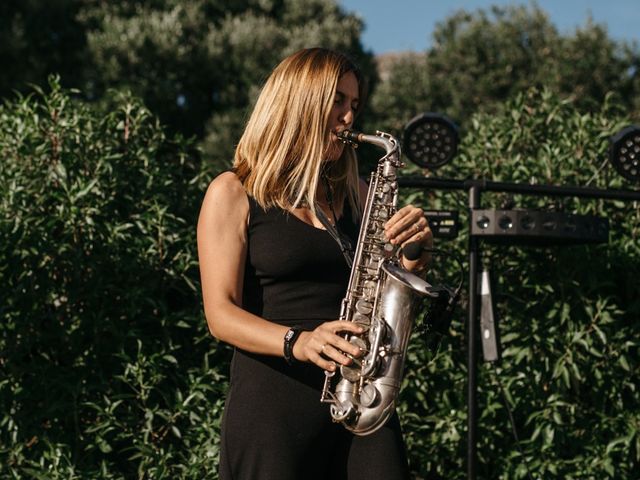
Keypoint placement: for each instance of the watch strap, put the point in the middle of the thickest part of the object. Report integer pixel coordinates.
(290, 339)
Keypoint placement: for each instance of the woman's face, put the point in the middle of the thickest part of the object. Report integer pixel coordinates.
(343, 112)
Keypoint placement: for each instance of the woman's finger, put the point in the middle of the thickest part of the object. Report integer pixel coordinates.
(332, 353)
(338, 326)
(418, 231)
(405, 223)
(323, 363)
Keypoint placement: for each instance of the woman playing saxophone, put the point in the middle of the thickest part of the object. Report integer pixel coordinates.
(273, 278)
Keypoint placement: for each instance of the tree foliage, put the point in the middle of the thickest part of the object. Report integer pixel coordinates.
(37, 39)
(481, 59)
(197, 65)
(105, 355)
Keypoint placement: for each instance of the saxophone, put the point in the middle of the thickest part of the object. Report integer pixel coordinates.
(383, 298)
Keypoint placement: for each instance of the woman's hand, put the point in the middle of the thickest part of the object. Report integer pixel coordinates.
(409, 225)
(325, 346)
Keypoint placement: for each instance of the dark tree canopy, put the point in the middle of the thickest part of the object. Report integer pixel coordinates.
(197, 65)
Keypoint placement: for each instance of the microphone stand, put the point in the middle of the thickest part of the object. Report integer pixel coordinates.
(475, 187)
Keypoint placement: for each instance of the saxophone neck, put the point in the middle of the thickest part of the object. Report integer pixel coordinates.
(381, 139)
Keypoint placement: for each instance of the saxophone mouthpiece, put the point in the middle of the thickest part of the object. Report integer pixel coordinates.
(349, 137)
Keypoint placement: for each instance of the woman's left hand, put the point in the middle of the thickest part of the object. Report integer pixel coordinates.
(409, 225)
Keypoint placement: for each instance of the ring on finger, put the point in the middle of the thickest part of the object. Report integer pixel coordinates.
(416, 226)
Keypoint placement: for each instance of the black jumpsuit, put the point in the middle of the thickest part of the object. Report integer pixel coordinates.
(274, 426)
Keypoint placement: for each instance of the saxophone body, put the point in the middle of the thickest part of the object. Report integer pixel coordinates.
(383, 298)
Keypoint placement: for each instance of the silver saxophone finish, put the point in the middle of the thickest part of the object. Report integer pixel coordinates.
(383, 298)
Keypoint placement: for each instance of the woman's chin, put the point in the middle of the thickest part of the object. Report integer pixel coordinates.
(334, 152)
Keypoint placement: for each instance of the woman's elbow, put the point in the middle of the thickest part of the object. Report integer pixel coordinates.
(221, 314)
(214, 323)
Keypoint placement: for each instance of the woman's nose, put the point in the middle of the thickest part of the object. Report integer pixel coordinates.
(347, 117)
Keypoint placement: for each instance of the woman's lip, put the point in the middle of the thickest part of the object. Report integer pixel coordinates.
(337, 133)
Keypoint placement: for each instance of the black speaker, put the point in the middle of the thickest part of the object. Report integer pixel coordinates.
(538, 227)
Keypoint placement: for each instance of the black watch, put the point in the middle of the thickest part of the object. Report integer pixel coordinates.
(289, 340)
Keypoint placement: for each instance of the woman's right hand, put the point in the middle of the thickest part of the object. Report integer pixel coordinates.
(325, 346)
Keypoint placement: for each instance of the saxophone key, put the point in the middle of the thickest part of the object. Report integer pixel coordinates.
(326, 388)
(353, 372)
(342, 411)
(362, 320)
(382, 214)
(369, 395)
(364, 306)
(370, 285)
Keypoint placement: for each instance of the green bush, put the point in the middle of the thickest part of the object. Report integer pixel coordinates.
(569, 315)
(108, 371)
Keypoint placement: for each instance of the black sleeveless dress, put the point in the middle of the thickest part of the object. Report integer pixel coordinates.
(274, 426)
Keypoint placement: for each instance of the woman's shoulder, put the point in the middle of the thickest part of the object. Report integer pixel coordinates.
(227, 193)
(227, 182)
(227, 186)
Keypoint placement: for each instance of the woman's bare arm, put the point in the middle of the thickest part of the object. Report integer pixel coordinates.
(222, 250)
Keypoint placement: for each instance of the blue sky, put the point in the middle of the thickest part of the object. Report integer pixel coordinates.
(399, 25)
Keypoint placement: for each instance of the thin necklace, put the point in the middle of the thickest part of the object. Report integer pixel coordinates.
(329, 194)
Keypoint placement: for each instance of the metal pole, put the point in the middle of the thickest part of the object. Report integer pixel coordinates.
(472, 372)
(524, 189)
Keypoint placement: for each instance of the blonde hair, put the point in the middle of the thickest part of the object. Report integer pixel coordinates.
(281, 154)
